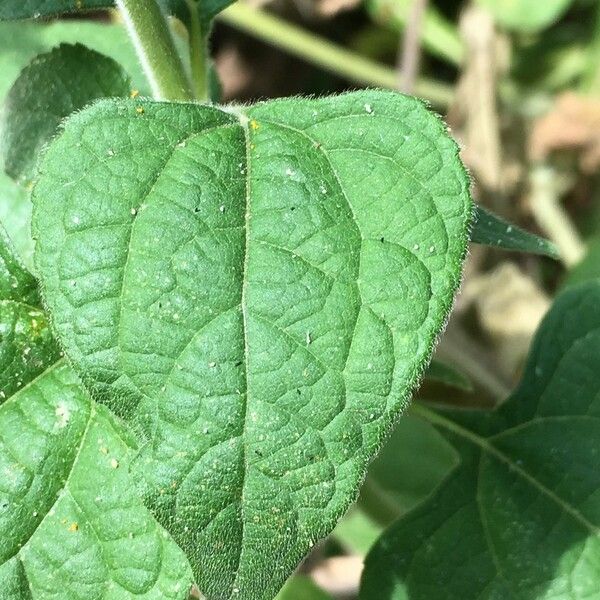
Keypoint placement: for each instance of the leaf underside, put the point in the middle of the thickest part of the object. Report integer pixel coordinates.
(256, 292)
(524, 504)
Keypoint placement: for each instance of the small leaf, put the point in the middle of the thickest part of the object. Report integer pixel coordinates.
(50, 88)
(448, 375)
(526, 15)
(522, 506)
(491, 230)
(21, 42)
(267, 286)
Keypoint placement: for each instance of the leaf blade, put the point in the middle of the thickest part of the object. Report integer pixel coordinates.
(200, 247)
(526, 472)
(491, 230)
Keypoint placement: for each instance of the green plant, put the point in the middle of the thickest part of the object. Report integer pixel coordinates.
(246, 297)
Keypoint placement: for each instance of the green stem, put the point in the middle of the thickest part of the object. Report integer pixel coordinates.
(151, 36)
(198, 53)
(591, 79)
(327, 55)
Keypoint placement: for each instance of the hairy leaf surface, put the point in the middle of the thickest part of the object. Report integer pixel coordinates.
(524, 503)
(257, 291)
(71, 524)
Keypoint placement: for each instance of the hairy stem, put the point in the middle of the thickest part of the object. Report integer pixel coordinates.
(151, 36)
(327, 55)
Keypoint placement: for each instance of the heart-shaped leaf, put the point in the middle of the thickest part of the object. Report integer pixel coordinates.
(523, 506)
(257, 291)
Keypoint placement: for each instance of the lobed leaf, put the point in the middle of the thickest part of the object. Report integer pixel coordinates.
(524, 503)
(256, 291)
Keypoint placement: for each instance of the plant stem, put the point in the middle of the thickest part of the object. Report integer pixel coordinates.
(151, 36)
(409, 56)
(327, 55)
(545, 205)
(198, 53)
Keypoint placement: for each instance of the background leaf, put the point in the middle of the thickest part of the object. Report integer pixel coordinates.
(26, 345)
(19, 44)
(448, 375)
(251, 250)
(71, 523)
(526, 15)
(71, 77)
(588, 268)
(491, 230)
(524, 500)
(10, 10)
(300, 587)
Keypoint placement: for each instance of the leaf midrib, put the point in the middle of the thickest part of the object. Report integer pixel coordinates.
(485, 445)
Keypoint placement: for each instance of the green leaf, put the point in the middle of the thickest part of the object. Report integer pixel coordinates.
(26, 345)
(411, 464)
(300, 587)
(264, 289)
(15, 215)
(588, 268)
(491, 230)
(10, 10)
(357, 531)
(71, 77)
(519, 517)
(28, 9)
(21, 42)
(448, 375)
(71, 524)
(526, 15)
